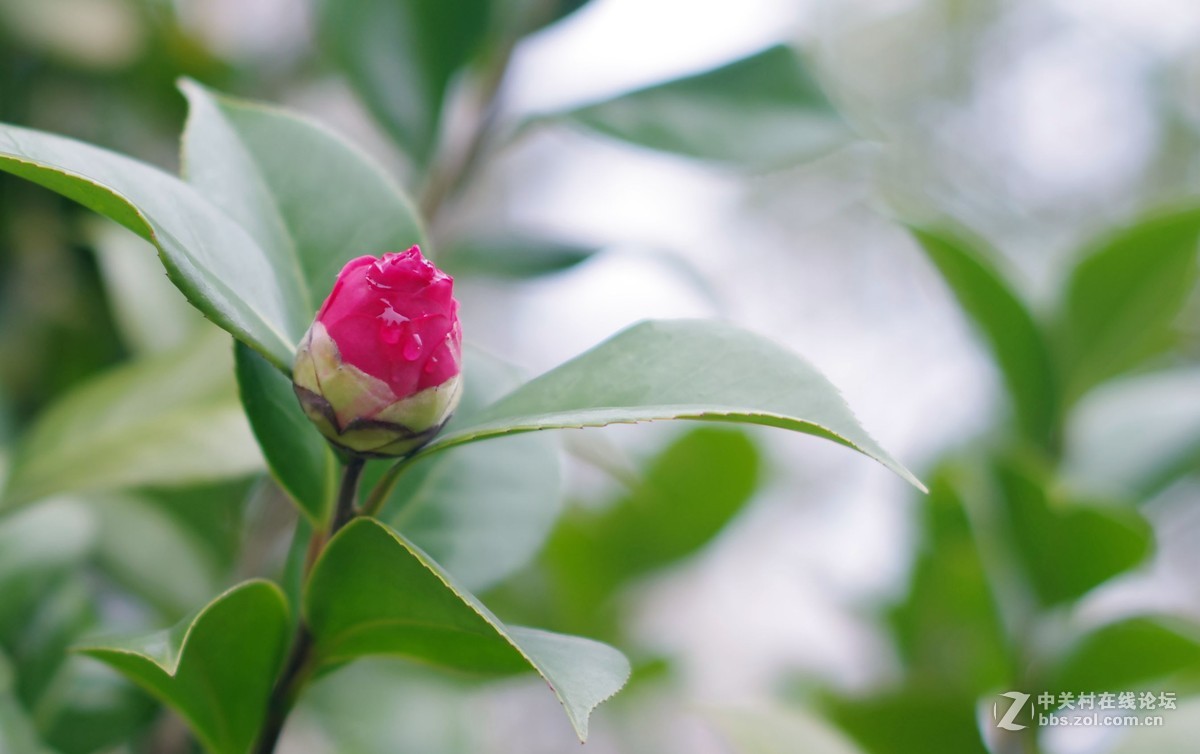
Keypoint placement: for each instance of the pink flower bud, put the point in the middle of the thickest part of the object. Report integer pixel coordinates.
(380, 370)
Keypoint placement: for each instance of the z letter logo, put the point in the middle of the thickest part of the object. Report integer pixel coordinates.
(1014, 709)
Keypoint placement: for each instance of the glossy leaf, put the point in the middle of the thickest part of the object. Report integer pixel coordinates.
(309, 198)
(680, 369)
(171, 419)
(299, 458)
(1135, 435)
(1067, 549)
(1123, 295)
(761, 112)
(1128, 654)
(1016, 339)
(400, 56)
(374, 593)
(213, 260)
(516, 259)
(215, 669)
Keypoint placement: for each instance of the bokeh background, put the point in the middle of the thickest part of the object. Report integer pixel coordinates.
(776, 593)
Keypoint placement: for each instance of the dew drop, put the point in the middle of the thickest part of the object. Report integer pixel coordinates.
(412, 348)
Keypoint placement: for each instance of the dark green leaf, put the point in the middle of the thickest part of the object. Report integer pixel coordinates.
(764, 111)
(1123, 296)
(91, 708)
(170, 419)
(215, 669)
(681, 369)
(1015, 337)
(911, 721)
(1127, 654)
(308, 197)
(213, 260)
(1067, 549)
(513, 258)
(374, 593)
(298, 456)
(400, 56)
(17, 733)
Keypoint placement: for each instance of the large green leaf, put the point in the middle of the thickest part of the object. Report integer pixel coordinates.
(1015, 337)
(400, 56)
(679, 369)
(298, 456)
(170, 419)
(374, 593)
(213, 260)
(1067, 548)
(1123, 296)
(910, 721)
(763, 111)
(1135, 435)
(308, 197)
(215, 669)
(1127, 654)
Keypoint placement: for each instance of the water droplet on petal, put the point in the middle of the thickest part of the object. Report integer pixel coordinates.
(412, 348)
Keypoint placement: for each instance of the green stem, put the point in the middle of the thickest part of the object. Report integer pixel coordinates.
(297, 668)
(383, 490)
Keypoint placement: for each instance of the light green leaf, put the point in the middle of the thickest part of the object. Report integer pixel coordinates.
(1135, 435)
(1127, 654)
(1123, 296)
(1067, 548)
(913, 720)
(678, 369)
(299, 458)
(213, 260)
(1015, 337)
(215, 669)
(400, 56)
(306, 195)
(171, 419)
(374, 593)
(764, 111)
(776, 730)
(513, 258)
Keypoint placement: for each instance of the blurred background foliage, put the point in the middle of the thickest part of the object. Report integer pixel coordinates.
(980, 217)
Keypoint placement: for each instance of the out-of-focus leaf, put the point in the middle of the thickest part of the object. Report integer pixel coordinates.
(687, 495)
(91, 708)
(401, 55)
(949, 630)
(513, 258)
(215, 669)
(153, 316)
(299, 458)
(1067, 549)
(481, 511)
(910, 721)
(1178, 736)
(304, 194)
(146, 550)
(213, 260)
(774, 730)
(171, 419)
(1122, 297)
(212, 513)
(764, 111)
(17, 734)
(1015, 337)
(374, 593)
(1135, 435)
(1127, 654)
(681, 369)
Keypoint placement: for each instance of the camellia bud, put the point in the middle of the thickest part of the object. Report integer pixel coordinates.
(380, 370)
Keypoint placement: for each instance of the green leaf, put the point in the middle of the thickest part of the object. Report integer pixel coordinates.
(1127, 654)
(1135, 435)
(1067, 549)
(687, 495)
(374, 593)
(400, 56)
(911, 721)
(17, 733)
(481, 511)
(1123, 296)
(763, 111)
(215, 669)
(513, 258)
(948, 629)
(1017, 341)
(90, 708)
(171, 419)
(212, 259)
(305, 195)
(299, 458)
(679, 369)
